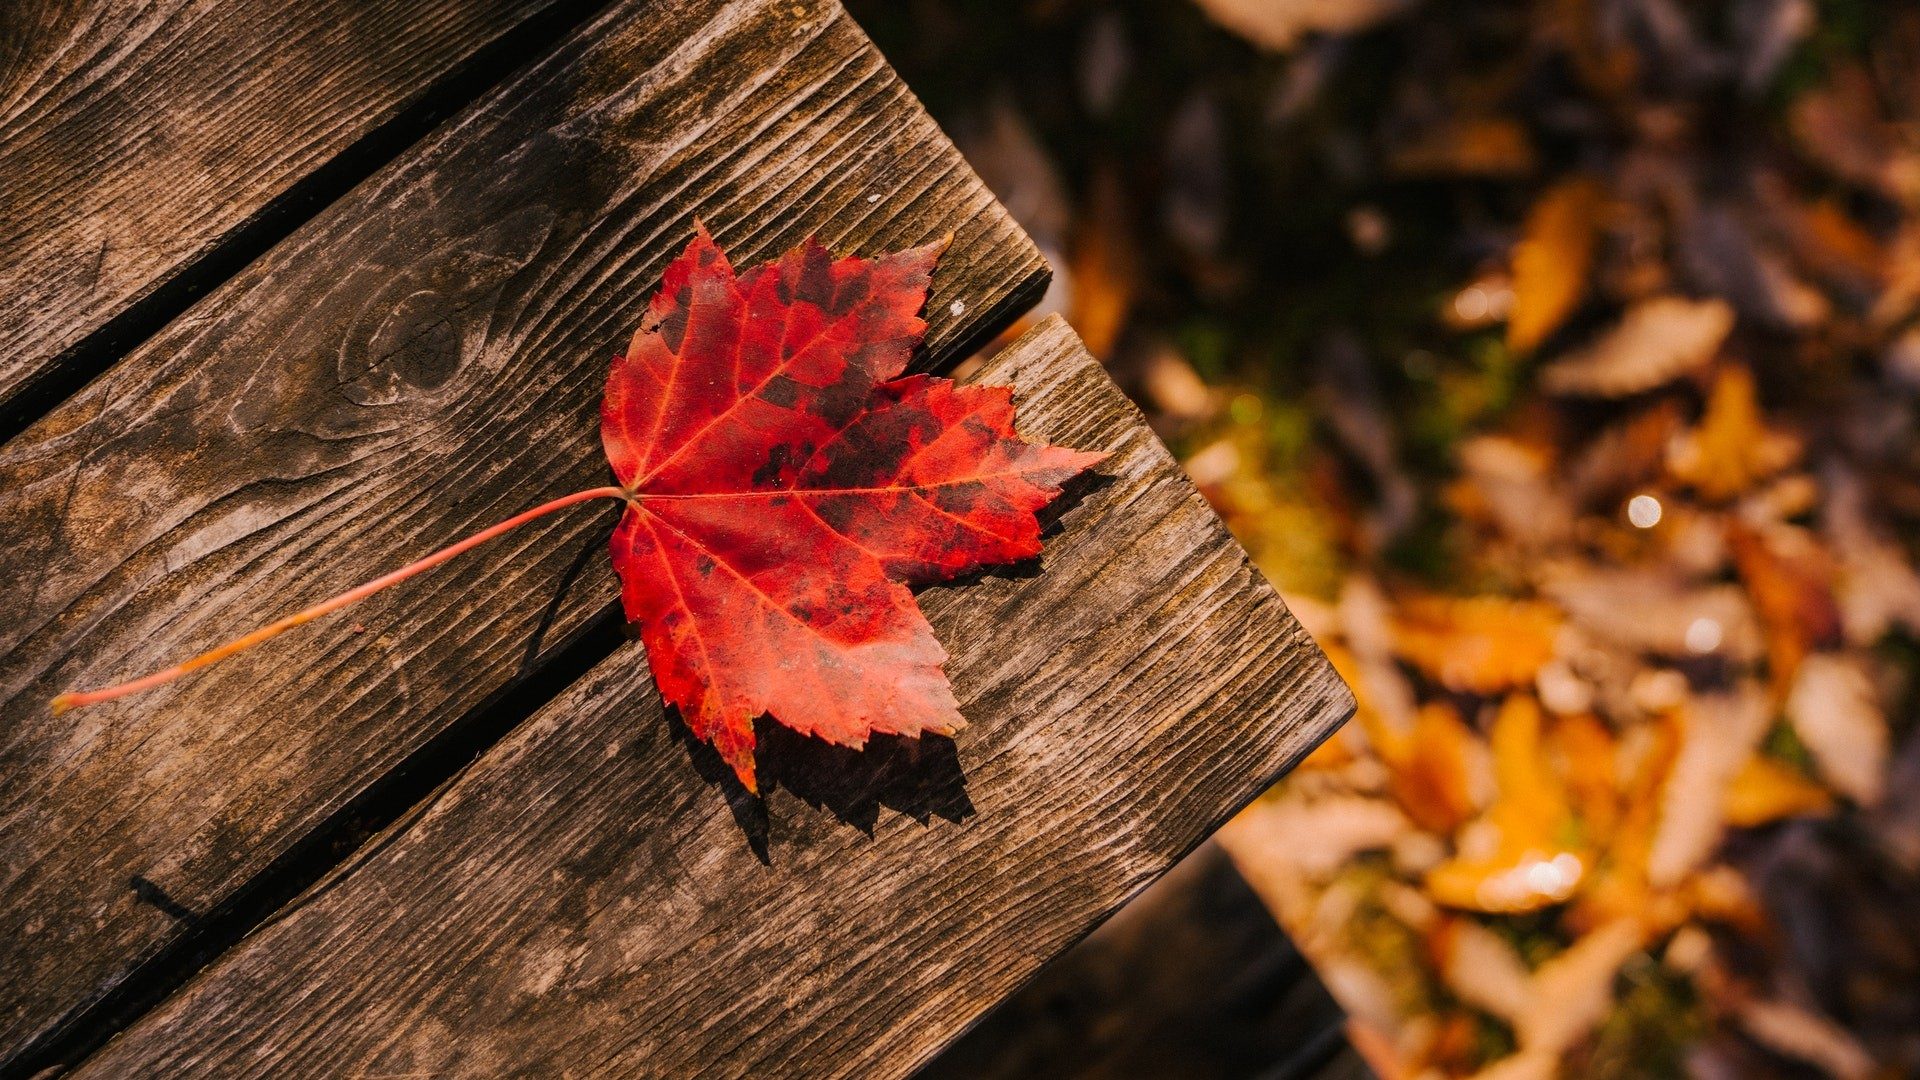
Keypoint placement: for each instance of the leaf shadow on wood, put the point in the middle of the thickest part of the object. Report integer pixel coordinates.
(1072, 493)
(921, 778)
(596, 542)
(146, 892)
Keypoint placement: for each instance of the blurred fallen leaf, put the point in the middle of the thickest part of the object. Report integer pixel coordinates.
(1366, 624)
(1790, 579)
(1572, 990)
(1619, 888)
(1511, 485)
(1483, 969)
(1765, 791)
(1431, 775)
(1552, 261)
(1479, 644)
(1732, 447)
(1719, 732)
(1833, 245)
(1279, 25)
(1800, 1034)
(1530, 865)
(1837, 715)
(1104, 272)
(1624, 457)
(1839, 125)
(1657, 341)
(1652, 611)
(1722, 255)
(1587, 752)
(1878, 588)
(1766, 33)
(1314, 837)
(1492, 146)
(1172, 385)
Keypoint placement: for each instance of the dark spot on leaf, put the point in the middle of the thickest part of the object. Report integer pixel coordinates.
(778, 459)
(781, 392)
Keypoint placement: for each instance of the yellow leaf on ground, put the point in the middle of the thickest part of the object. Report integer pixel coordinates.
(1429, 772)
(1732, 447)
(1586, 750)
(1477, 645)
(1552, 261)
(1619, 888)
(1531, 866)
(1765, 790)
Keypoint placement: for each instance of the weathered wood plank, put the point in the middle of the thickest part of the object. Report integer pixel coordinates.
(424, 358)
(582, 903)
(134, 138)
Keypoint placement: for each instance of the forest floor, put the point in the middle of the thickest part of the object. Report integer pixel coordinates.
(1558, 361)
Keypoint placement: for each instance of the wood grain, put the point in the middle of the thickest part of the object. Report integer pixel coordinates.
(581, 902)
(134, 138)
(421, 360)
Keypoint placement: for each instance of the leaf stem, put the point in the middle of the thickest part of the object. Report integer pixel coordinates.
(73, 700)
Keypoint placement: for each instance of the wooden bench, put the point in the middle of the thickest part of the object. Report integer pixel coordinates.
(557, 881)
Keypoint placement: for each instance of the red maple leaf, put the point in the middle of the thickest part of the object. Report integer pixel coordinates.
(786, 493)
(784, 487)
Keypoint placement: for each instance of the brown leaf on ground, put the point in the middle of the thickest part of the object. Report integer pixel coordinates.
(1103, 270)
(1655, 612)
(1836, 713)
(1790, 579)
(1719, 733)
(1806, 1036)
(1657, 341)
(1492, 146)
(1280, 25)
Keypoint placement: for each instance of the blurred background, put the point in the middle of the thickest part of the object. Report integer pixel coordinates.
(1557, 360)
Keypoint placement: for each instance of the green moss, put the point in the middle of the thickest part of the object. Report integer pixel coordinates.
(1784, 743)
(1387, 945)
(1537, 936)
(1493, 1039)
(1657, 1015)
